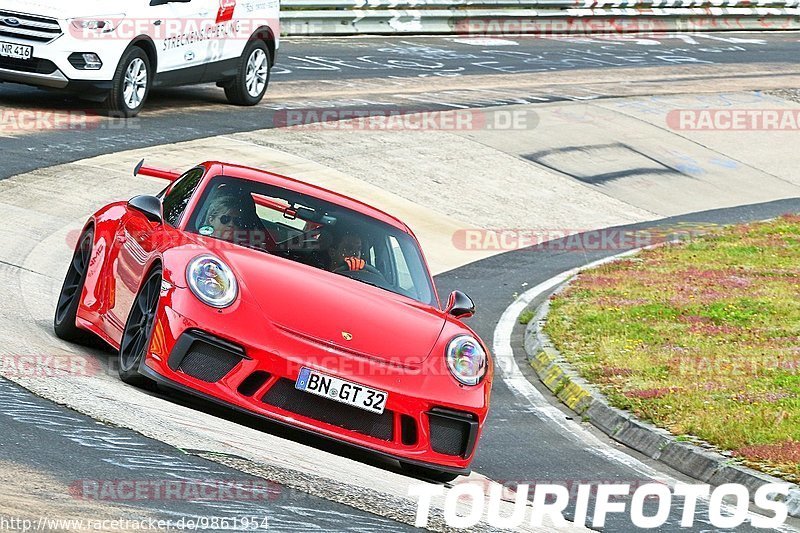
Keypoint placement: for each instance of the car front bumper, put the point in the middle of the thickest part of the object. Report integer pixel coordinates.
(429, 419)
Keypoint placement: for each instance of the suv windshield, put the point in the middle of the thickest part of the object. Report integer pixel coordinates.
(311, 231)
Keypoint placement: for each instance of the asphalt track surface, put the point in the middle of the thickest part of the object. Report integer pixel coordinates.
(517, 446)
(101, 464)
(333, 62)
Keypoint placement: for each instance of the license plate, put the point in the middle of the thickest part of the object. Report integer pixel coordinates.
(340, 390)
(16, 51)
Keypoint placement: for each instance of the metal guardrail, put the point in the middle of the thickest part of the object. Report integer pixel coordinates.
(522, 17)
(290, 5)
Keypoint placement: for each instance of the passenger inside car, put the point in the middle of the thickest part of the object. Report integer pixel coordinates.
(224, 218)
(232, 216)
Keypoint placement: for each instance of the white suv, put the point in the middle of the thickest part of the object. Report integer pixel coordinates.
(117, 51)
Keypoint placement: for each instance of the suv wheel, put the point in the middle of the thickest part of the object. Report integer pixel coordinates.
(131, 84)
(252, 77)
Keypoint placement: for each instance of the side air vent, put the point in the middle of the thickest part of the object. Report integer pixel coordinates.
(452, 432)
(204, 356)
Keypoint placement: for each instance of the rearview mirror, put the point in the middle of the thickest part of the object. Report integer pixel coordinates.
(149, 205)
(460, 305)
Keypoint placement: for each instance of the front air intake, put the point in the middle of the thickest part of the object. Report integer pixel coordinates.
(204, 357)
(253, 383)
(452, 432)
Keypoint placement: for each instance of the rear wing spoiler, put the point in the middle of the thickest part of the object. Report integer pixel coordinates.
(144, 170)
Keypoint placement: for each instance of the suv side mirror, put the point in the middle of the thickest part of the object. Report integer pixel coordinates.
(150, 206)
(460, 305)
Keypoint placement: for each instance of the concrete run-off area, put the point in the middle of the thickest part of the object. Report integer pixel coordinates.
(573, 167)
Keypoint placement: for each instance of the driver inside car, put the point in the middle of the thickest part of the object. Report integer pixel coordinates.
(346, 252)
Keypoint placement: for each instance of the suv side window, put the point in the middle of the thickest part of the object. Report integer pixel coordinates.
(177, 197)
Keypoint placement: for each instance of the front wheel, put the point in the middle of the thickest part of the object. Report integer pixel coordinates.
(64, 322)
(131, 84)
(252, 77)
(139, 330)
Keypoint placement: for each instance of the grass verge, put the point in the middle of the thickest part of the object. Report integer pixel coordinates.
(701, 338)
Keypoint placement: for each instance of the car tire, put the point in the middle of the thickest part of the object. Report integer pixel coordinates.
(252, 76)
(424, 472)
(138, 331)
(131, 84)
(64, 321)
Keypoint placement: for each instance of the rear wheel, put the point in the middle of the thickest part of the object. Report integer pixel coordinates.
(139, 331)
(64, 322)
(427, 473)
(131, 84)
(252, 78)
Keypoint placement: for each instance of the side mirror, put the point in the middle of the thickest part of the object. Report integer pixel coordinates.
(150, 206)
(460, 305)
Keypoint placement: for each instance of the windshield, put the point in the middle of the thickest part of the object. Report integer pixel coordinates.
(308, 230)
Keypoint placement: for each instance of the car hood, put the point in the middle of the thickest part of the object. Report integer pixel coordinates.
(325, 309)
(61, 9)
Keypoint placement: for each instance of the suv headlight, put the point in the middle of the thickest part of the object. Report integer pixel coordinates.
(212, 281)
(466, 360)
(104, 24)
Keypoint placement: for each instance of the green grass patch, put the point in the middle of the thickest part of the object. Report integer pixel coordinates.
(526, 316)
(701, 338)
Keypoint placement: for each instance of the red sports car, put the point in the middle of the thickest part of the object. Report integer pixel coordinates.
(287, 301)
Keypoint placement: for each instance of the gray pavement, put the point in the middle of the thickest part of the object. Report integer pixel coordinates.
(517, 445)
(93, 471)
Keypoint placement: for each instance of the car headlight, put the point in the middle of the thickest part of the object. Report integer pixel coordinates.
(104, 24)
(466, 360)
(212, 281)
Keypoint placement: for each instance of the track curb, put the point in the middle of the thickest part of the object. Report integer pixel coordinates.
(700, 462)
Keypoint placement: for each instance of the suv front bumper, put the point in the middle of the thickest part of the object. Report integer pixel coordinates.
(50, 67)
(55, 80)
